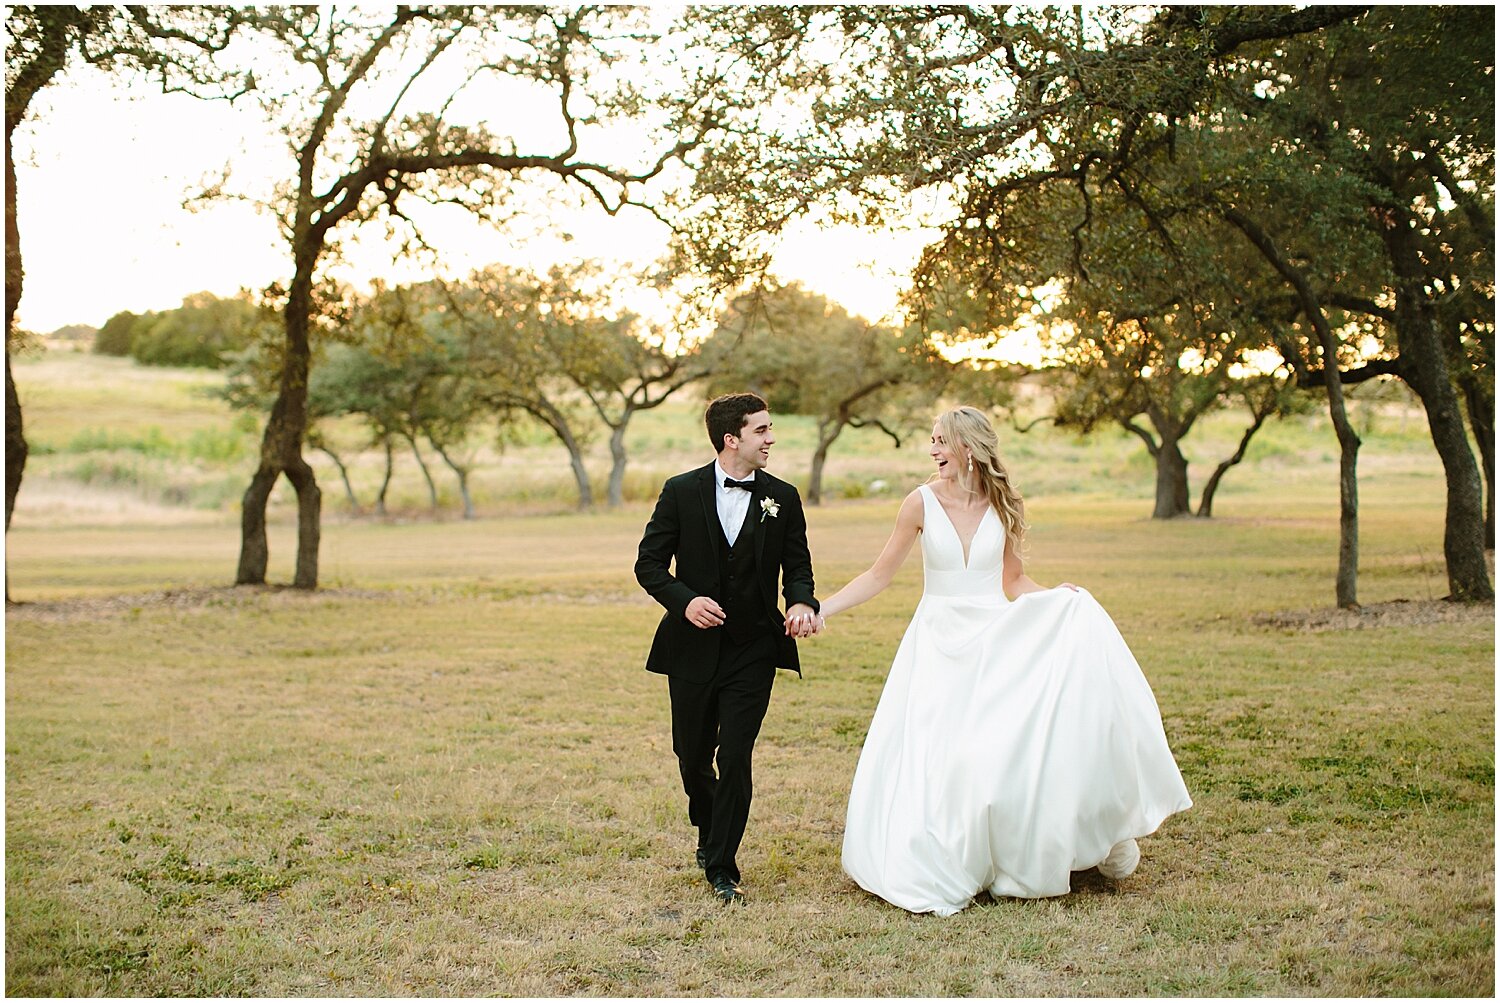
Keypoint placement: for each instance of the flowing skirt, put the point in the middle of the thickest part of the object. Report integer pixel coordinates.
(1014, 743)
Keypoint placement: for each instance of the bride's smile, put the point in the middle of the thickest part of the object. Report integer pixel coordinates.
(945, 458)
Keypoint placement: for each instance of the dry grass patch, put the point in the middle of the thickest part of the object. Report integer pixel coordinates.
(448, 775)
(1396, 613)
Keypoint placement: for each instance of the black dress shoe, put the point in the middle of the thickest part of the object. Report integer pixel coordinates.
(701, 857)
(726, 891)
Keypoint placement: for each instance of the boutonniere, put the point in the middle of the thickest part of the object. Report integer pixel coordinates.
(768, 507)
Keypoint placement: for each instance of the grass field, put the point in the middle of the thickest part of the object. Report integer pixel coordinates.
(447, 774)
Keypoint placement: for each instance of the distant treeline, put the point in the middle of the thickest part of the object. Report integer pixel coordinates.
(205, 331)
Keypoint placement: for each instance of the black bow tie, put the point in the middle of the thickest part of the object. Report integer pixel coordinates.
(730, 482)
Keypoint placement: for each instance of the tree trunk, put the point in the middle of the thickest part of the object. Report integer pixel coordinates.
(1346, 582)
(254, 550)
(343, 475)
(1171, 481)
(1482, 421)
(426, 474)
(580, 475)
(1479, 402)
(1346, 587)
(281, 450)
(1171, 466)
(554, 419)
(385, 482)
(309, 523)
(1478, 391)
(463, 491)
(1427, 373)
(255, 553)
(1206, 503)
(819, 458)
(16, 449)
(462, 473)
(617, 460)
(15, 453)
(37, 69)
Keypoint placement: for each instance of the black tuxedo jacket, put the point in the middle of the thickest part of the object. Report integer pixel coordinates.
(685, 527)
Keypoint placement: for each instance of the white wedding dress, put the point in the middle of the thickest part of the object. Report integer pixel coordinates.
(1015, 742)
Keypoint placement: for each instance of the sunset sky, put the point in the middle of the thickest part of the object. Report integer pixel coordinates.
(102, 173)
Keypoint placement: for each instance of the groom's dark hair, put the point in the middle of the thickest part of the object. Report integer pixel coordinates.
(726, 416)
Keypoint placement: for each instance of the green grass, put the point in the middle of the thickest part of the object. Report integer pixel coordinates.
(447, 773)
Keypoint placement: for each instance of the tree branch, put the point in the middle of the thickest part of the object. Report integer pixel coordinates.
(857, 422)
(1151, 444)
(377, 139)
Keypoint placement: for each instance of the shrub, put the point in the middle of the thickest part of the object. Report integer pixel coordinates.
(199, 333)
(118, 333)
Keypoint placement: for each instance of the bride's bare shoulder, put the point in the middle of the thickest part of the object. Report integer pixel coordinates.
(912, 507)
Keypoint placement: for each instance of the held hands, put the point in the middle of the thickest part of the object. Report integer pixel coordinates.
(801, 621)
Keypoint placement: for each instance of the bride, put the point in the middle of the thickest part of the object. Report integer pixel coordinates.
(1016, 740)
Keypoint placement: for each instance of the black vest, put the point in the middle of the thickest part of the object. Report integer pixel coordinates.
(744, 609)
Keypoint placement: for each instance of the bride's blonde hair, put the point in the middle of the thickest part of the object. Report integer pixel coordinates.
(967, 427)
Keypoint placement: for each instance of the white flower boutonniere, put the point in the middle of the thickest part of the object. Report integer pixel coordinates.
(768, 507)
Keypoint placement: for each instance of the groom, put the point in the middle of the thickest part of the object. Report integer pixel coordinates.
(731, 528)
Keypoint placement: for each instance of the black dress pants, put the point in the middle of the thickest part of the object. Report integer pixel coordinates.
(723, 714)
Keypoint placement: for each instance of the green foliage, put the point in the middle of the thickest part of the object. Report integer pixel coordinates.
(176, 45)
(437, 362)
(1091, 153)
(806, 355)
(846, 110)
(117, 334)
(206, 331)
(560, 350)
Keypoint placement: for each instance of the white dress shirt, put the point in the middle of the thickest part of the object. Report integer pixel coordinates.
(733, 503)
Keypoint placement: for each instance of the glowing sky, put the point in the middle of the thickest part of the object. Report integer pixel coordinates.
(102, 173)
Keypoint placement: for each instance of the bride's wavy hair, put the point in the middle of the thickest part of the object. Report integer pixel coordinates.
(968, 427)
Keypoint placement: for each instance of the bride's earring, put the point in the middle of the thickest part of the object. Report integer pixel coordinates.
(971, 464)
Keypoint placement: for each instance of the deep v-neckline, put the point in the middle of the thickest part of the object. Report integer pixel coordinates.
(965, 551)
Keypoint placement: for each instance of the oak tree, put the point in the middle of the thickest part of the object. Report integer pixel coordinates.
(385, 109)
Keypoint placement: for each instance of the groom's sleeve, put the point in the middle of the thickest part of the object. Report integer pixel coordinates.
(796, 559)
(654, 558)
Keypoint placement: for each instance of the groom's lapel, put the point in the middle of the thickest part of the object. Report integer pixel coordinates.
(706, 488)
(762, 490)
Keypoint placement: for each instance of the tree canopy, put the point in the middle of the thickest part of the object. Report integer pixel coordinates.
(1175, 174)
(807, 355)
